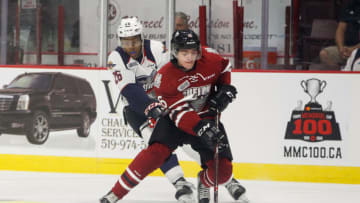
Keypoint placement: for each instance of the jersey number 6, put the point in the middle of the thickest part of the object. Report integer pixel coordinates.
(117, 76)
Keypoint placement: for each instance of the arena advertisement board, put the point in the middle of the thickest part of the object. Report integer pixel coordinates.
(19, 82)
(280, 121)
(295, 118)
(62, 115)
(291, 118)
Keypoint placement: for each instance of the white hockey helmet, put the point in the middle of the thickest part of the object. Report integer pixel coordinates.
(129, 27)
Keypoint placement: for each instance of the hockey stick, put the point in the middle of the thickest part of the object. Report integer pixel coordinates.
(216, 160)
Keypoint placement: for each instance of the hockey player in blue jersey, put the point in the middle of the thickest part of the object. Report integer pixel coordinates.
(133, 65)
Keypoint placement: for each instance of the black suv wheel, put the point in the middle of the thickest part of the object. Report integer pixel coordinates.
(84, 129)
(38, 128)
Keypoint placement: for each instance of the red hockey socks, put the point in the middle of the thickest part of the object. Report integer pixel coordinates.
(144, 163)
(207, 176)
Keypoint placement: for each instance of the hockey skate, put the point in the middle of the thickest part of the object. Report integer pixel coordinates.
(109, 198)
(237, 191)
(203, 192)
(184, 191)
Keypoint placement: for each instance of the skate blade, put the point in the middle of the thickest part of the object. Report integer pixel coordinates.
(243, 199)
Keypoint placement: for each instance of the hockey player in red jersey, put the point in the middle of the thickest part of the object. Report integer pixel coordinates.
(204, 74)
(195, 73)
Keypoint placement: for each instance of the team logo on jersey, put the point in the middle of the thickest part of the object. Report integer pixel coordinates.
(151, 65)
(132, 64)
(196, 77)
(312, 123)
(183, 86)
(198, 92)
(110, 65)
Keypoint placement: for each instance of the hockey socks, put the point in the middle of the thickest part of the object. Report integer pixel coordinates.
(171, 168)
(207, 176)
(144, 163)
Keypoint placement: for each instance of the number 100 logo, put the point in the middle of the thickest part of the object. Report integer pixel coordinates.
(315, 129)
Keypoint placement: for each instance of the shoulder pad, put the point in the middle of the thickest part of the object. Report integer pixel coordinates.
(115, 60)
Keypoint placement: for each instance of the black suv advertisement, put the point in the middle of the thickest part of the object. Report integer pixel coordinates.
(48, 108)
(33, 104)
(63, 111)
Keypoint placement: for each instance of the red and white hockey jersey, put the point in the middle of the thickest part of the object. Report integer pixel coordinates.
(172, 84)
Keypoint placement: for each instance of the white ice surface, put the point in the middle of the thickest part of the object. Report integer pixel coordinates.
(26, 187)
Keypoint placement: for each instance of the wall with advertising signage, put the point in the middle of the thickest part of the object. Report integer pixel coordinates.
(287, 126)
(108, 133)
(295, 118)
(220, 28)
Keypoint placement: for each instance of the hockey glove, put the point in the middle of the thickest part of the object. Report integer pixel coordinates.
(154, 110)
(222, 98)
(209, 134)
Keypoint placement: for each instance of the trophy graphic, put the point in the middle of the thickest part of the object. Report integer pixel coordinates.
(313, 87)
(311, 123)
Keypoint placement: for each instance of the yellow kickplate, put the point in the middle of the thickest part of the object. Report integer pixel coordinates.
(18, 202)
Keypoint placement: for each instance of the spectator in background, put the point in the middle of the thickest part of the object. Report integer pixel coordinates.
(353, 62)
(347, 37)
(181, 21)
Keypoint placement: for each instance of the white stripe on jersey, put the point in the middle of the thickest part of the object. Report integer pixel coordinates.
(180, 115)
(179, 108)
(227, 69)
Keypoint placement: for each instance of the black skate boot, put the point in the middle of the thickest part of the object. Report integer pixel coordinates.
(236, 190)
(184, 191)
(110, 197)
(203, 192)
